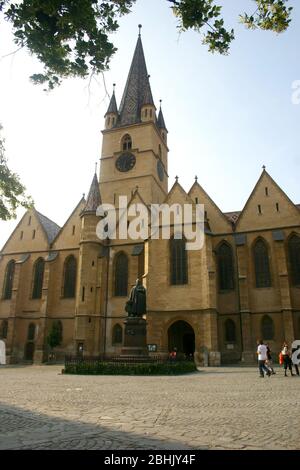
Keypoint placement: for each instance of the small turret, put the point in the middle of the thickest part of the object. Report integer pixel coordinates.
(161, 124)
(111, 115)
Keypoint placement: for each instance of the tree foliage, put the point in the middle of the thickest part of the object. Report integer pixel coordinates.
(12, 192)
(71, 37)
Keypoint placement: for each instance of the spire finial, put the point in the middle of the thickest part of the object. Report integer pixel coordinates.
(176, 179)
(196, 179)
(114, 87)
(264, 167)
(160, 102)
(96, 165)
(140, 27)
(83, 195)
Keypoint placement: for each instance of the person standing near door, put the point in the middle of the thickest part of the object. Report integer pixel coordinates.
(262, 358)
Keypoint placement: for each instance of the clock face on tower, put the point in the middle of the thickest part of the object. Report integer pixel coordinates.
(160, 170)
(125, 162)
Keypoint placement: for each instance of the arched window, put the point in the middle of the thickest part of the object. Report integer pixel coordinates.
(70, 270)
(267, 327)
(8, 280)
(294, 256)
(126, 142)
(159, 151)
(38, 277)
(4, 329)
(262, 265)
(230, 331)
(121, 275)
(117, 336)
(31, 332)
(225, 267)
(178, 264)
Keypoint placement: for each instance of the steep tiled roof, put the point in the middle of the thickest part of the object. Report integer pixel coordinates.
(94, 197)
(160, 120)
(112, 108)
(51, 228)
(232, 216)
(137, 90)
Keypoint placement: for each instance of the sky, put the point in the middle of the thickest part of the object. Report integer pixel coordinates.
(227, 116)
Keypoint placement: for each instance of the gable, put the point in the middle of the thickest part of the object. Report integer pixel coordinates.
(29, 235)
(268, 207)
(216, 219)
(69, 235)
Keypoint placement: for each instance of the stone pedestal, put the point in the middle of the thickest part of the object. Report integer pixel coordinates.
(135, 338)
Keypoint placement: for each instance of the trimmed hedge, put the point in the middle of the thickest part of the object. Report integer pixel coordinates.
(108, 368)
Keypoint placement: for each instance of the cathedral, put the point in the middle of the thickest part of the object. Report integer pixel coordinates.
(213, 303)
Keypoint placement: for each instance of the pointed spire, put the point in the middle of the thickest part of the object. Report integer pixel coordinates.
(112, 108)
(94, 197)
(160, 120)
(137, 90)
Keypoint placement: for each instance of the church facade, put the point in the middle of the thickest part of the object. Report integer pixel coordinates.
(244, 283)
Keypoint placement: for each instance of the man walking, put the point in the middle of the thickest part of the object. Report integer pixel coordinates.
(262, 357)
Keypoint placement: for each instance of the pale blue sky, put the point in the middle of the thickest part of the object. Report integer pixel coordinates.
(226, 116)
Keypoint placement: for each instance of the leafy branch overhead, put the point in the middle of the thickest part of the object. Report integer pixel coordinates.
(71, 38)
(12, 192)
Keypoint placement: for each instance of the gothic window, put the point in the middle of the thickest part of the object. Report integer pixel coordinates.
(262, 265)
(179, 268)
(31, 332)
(267, 328)
(294, 255)
(126, 142)
(230, 331)
(70, 270)
(8, 280)
(4, 329)
(38, 277)
(225, 267)
(117, 336)
(121, 275)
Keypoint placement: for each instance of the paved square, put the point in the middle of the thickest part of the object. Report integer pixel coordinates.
(217, 408)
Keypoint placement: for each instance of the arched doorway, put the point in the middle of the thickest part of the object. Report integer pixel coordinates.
(181, 336)
(29, 351)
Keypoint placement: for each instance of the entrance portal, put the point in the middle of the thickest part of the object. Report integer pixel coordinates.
(181, 336)
(29, 351)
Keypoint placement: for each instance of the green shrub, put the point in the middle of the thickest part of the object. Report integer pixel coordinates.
(109, 368)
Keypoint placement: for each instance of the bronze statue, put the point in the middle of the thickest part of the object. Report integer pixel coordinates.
(136, 305)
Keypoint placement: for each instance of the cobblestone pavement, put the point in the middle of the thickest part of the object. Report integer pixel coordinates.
(216, 408)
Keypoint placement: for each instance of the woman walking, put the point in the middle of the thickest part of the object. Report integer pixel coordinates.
(287, 362)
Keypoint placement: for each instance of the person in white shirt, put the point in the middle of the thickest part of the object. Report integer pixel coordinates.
(262, 354)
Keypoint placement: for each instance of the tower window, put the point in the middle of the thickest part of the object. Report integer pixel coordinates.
(126, 142)
(196, 200)
(108, 121)
(178, 262)
(277, 206)
(121, 275)
(83, 294)
(259, 208)
(159, 151)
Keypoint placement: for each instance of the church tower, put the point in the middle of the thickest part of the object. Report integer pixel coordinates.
(134, 150)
